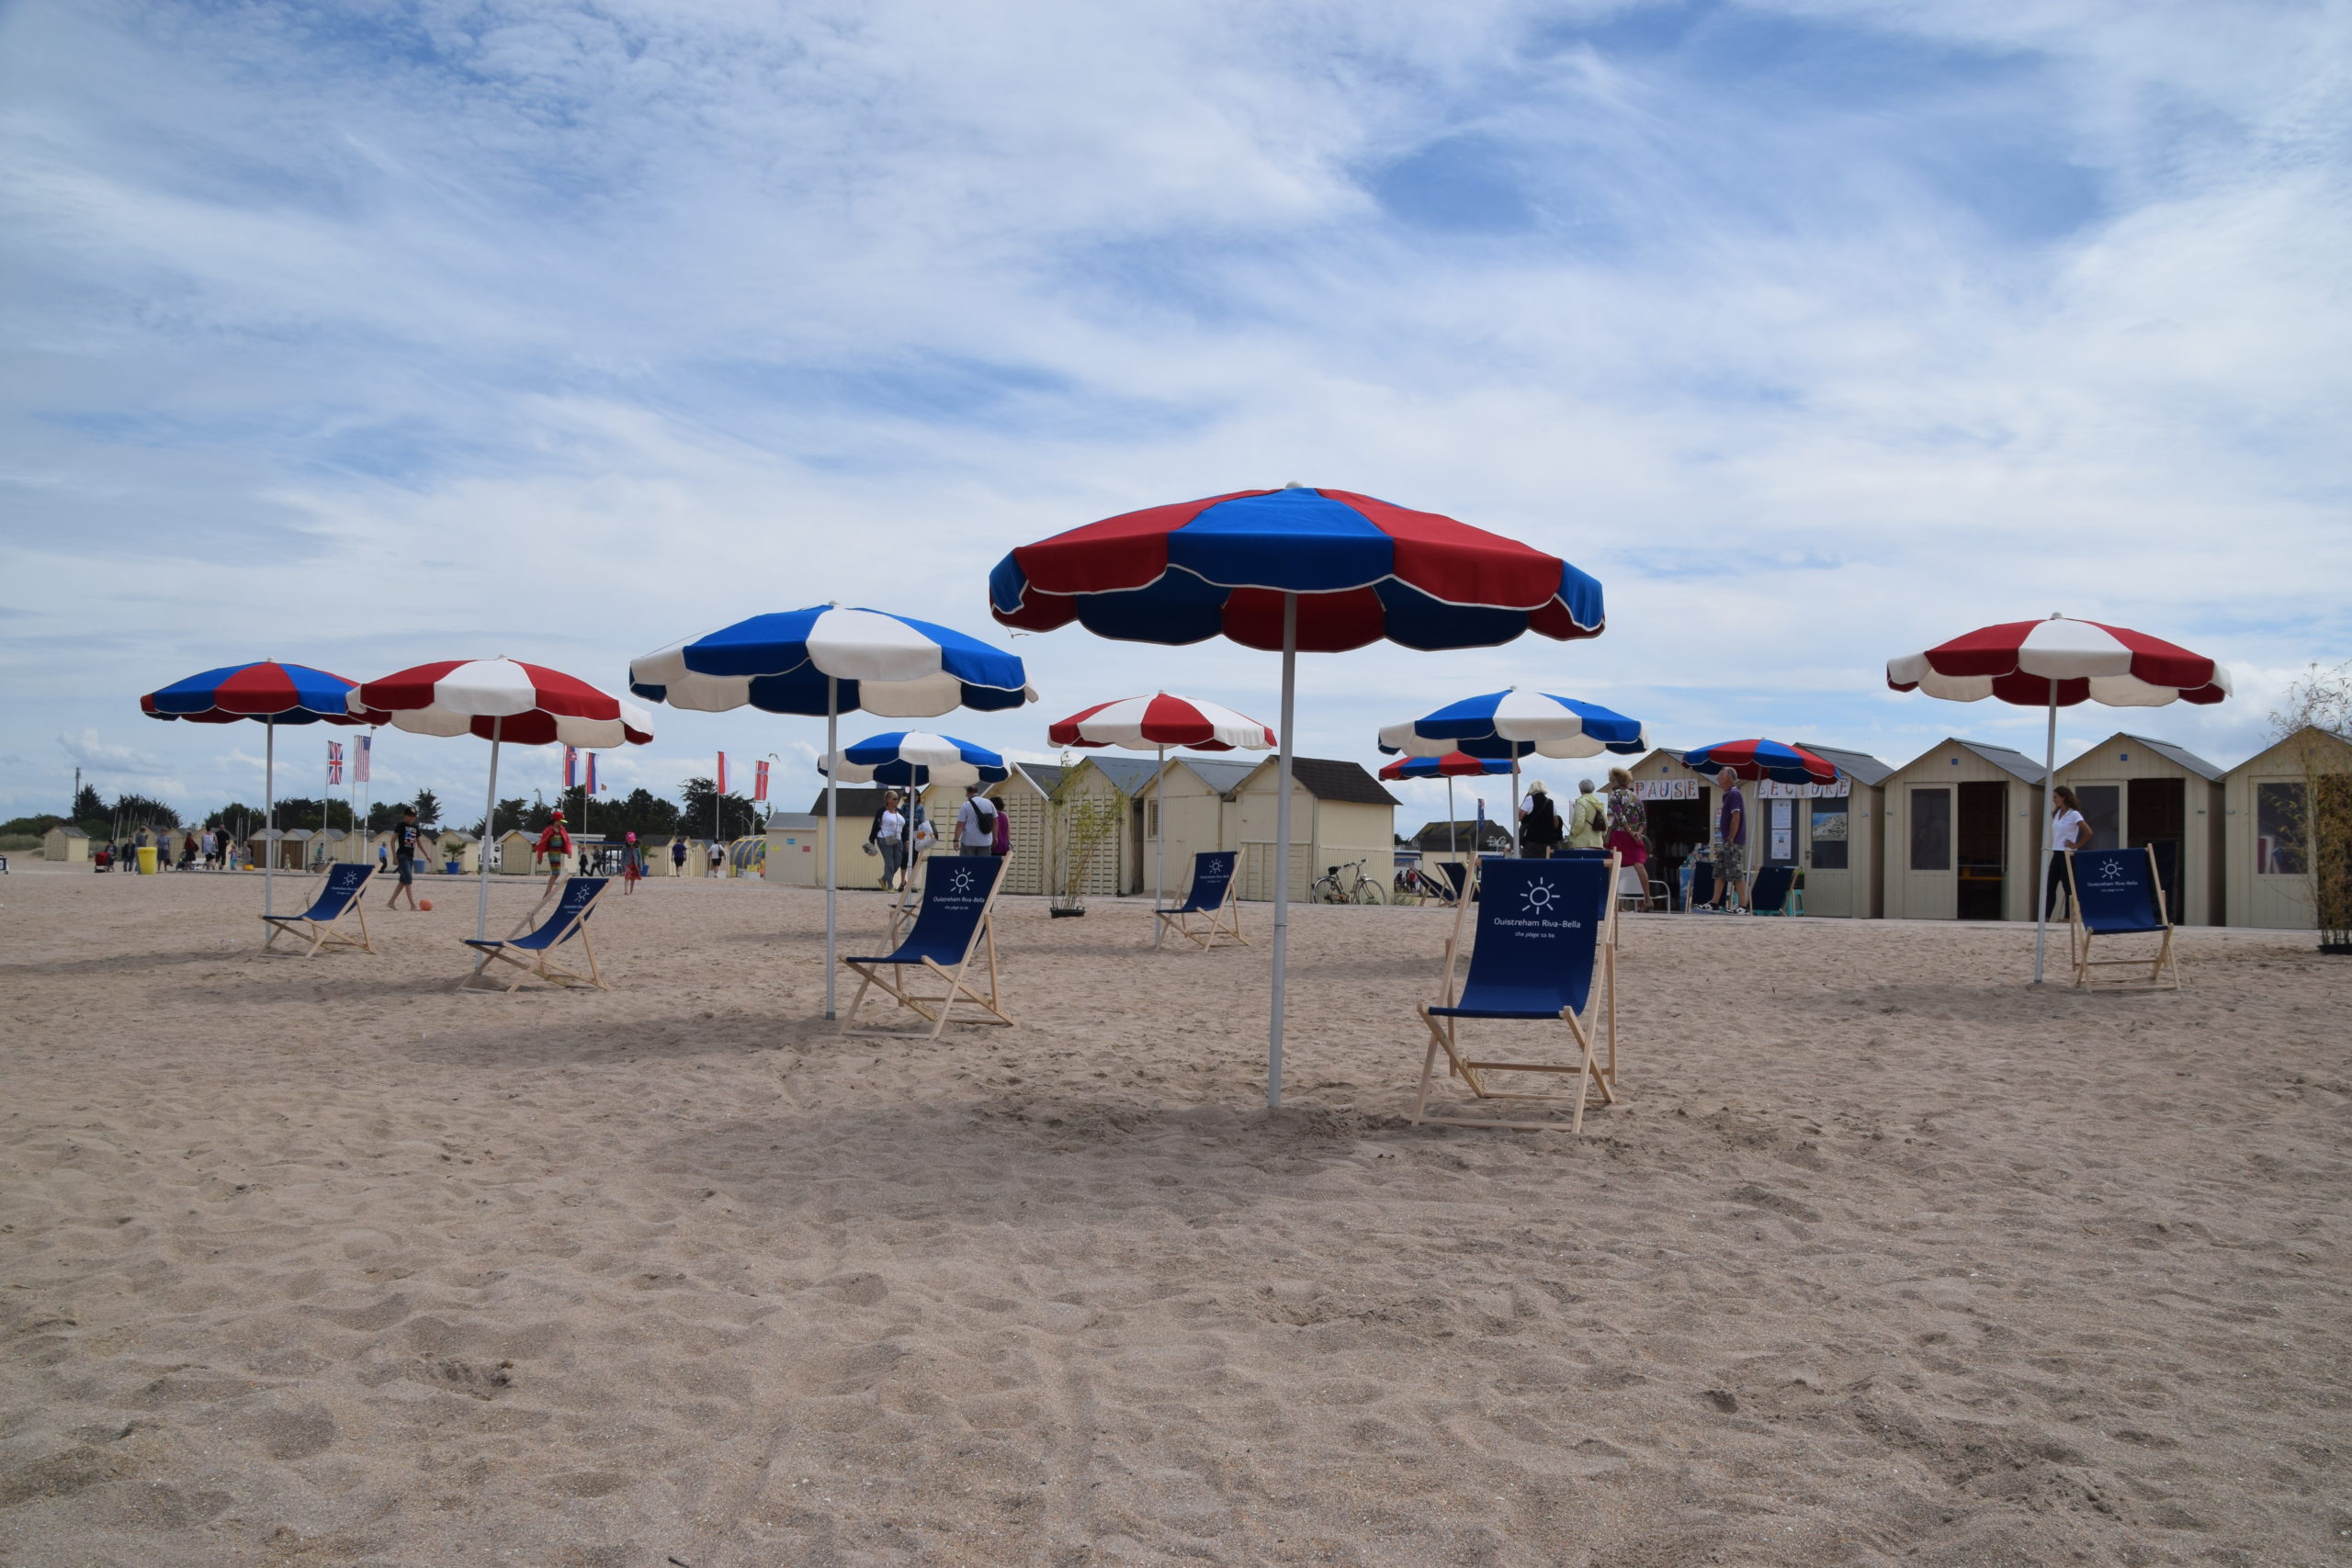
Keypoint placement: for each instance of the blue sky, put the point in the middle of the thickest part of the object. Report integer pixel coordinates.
(369, 332)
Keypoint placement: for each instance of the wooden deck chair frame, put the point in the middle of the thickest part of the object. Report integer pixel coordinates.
(542, 965)
(1592, 1070)
(326, 935)
(959, 990)
(1219, 927)
(2079, 935)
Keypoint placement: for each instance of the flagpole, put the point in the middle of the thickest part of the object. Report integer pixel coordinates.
(489, 835)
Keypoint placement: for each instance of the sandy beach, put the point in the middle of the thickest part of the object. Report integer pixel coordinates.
(1883, 1259)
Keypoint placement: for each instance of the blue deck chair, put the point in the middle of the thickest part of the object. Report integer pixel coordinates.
(533, 955)
(321, 922)
(1544, 933)
(1211, 912)
(951, 930)
(2118, 893)
(1458, 879)
(1769, 894)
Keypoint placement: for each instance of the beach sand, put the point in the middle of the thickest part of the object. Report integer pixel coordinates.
(1883, 1259)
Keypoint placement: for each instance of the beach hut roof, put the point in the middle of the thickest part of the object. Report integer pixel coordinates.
(70, 830)
(1220, 774)
(1326, 778)
(2015, 763)
(1862, 766)
(796, 821)
(862, 800)
(460, 834)
(2172, 753)
(2286, 744)
(1127, 775)
(1046, 776)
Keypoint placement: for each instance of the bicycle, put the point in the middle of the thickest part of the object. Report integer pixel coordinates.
(1331, 889)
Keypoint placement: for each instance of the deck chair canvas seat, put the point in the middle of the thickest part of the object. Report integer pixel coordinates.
(953, 931)
(1769, 894)
(533, 954)
(1544, 936)
(2118, 893)
(1210, 915)
(321, 924)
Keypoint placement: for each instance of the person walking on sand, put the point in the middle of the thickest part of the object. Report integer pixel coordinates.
(1731, 846)
(1588, 819)
(408, 844)
(717, 858)
(678, 855)
(1629, 830)
(976, 823)
(1539, 823)
(632, 864)
(887, 835)
(2069, 830)
(554, 843)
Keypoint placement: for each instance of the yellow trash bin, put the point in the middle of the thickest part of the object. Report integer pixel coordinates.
(146, 860)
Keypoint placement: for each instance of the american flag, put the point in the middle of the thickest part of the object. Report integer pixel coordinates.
(365, 754)
(722, 772)
(760, 781)
(334, 762)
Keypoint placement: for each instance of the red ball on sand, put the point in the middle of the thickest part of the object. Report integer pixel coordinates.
(424, 903)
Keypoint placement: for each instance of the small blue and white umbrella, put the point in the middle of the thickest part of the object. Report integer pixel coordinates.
(1514, 724)
(830, 660)
(914, 757)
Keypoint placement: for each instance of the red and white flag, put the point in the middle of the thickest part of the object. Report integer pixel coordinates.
(365, 754)
(334, 762)
(722, 772)
(760, 781)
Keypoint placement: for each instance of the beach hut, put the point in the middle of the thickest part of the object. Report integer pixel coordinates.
(290, 847)
(1340, 813)
(796, 850)
(1962, 840)
(1195, 804)
(1837, 833)
(65, 842)
(2136, 791)
(1025, 799)
(853, 819)
(1680, 808)
(1095, 816)
(2264, 804)
(332, 844)
(511, 852)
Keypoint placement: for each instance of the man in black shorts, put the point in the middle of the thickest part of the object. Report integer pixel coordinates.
(408, 845)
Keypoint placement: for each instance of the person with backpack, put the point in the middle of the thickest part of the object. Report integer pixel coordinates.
(1539, 823)
(976, 823)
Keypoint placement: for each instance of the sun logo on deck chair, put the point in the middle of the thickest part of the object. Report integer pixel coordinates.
(962, 881)
(1542, 898)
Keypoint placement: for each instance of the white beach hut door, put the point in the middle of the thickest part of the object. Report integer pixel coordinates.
(1829, 873)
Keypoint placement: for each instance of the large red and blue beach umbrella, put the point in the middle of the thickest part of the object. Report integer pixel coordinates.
(2057, 663)
(1322, 570)
(1773, 760)
(830, 660)
(1452, 766)
(269, 693)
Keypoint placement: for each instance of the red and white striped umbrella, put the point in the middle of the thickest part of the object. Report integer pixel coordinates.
(501, 700)
(504, 699)
(1145, 724)
(2061, 662)
(2054, 664)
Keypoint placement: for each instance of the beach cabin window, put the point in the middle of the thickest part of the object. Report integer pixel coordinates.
(2103, 814)
(1151, 819)
(1931, 830)
(1829, 835)
(2278, 829)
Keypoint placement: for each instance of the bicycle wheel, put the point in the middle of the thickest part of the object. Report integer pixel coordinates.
(1367, 891)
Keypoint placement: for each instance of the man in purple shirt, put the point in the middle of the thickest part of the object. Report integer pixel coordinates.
(1730, 845)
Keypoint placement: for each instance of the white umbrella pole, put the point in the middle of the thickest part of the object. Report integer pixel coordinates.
(1282, 849)
(1452, 847)
(1159, 838)
(488, 837)
(2049, 848)
(833, 834)
(268, 814)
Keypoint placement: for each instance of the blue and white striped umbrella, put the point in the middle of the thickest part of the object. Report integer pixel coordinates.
(1513, 724)
(915, 757)
(829, 659)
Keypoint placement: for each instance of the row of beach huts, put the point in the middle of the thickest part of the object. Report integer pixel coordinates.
(1952, 834)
